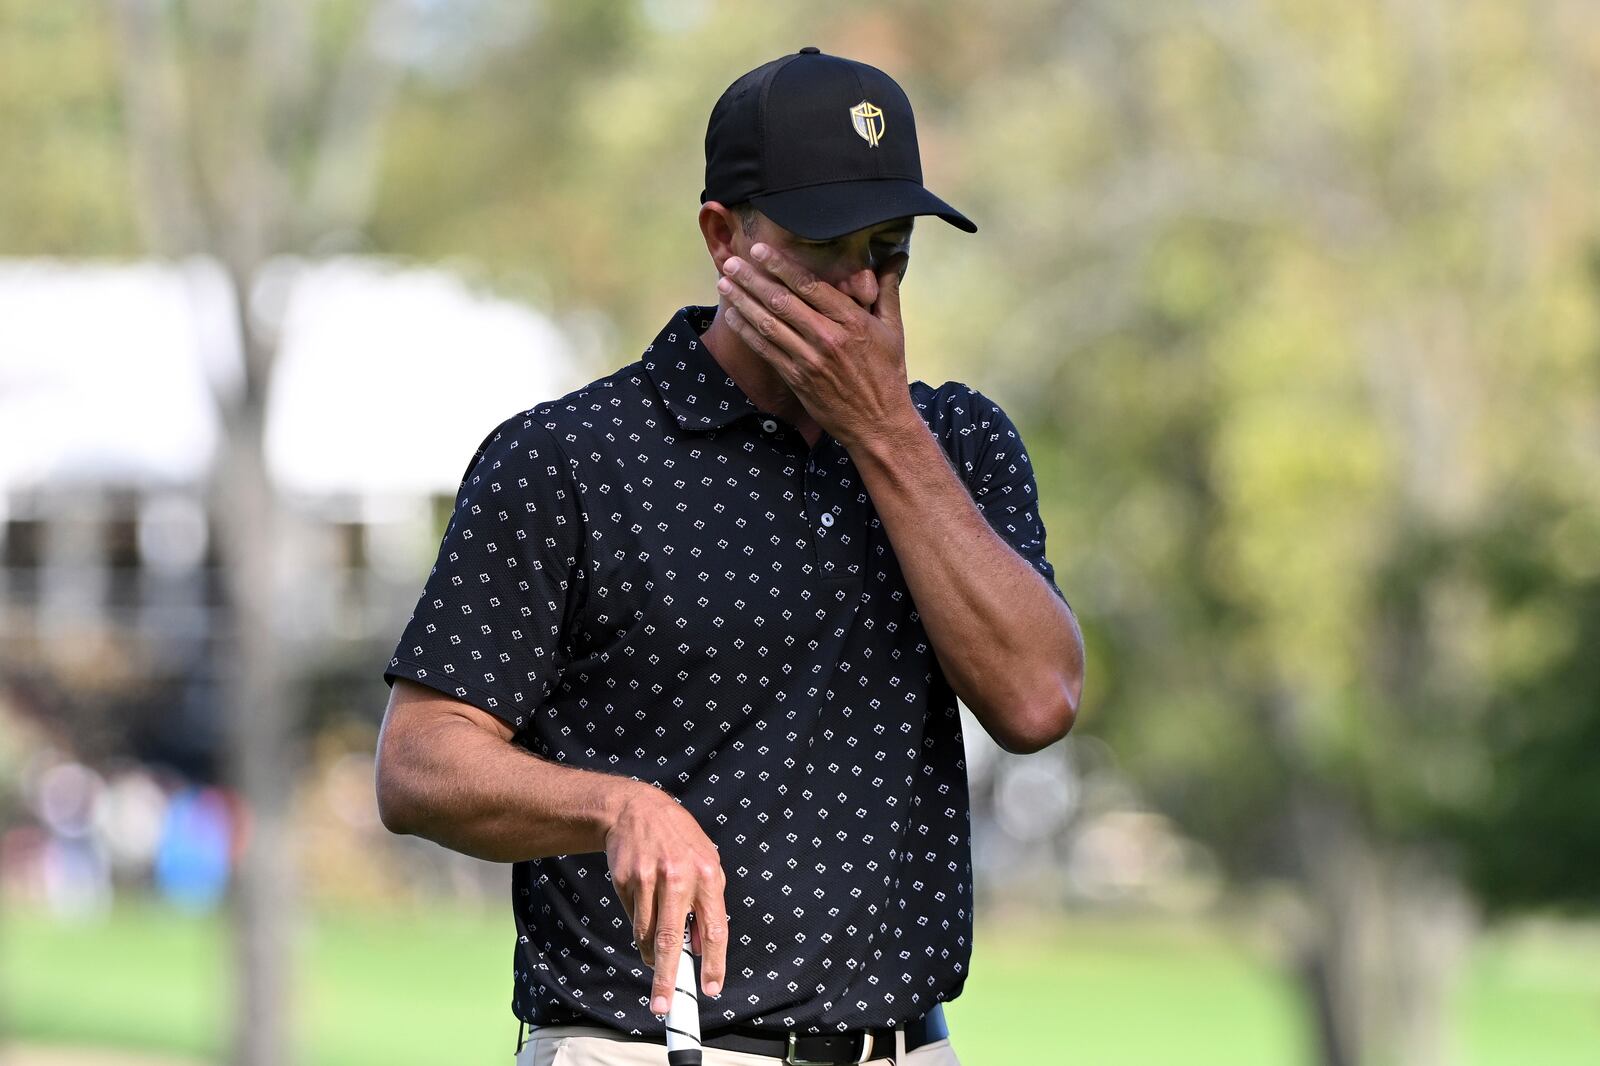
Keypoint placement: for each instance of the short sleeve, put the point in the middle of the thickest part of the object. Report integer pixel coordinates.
(491, 624)
(998, 473)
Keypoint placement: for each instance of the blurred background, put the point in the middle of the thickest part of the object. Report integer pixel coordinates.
(1296, 302)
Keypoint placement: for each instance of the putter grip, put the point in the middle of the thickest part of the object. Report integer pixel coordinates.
(683, 1017)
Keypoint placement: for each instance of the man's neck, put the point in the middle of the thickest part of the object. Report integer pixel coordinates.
(756, 377)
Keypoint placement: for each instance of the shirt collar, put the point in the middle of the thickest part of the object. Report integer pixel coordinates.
(692, 384)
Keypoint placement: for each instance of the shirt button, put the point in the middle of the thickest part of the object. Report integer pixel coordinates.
(770, 425)
(827, 518)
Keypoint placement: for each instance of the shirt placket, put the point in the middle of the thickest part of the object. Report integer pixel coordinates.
(837, 524)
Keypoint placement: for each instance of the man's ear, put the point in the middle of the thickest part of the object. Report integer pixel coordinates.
(720, 228)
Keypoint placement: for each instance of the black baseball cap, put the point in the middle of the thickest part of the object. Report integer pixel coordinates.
(822, 145)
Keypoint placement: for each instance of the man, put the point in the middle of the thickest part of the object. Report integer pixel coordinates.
(690, 654)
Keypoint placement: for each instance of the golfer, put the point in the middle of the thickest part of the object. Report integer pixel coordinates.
(690, 654)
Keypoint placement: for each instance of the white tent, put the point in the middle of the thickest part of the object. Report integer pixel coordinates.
(388, 377)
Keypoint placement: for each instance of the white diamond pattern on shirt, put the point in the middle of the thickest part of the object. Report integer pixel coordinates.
(639, 579)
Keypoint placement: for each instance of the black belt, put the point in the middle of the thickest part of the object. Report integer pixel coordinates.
(852, 1045)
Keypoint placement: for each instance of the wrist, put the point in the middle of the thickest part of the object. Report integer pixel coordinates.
(890, 439)
(615, 801)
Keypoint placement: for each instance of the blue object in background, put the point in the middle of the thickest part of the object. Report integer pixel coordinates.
(192, 860)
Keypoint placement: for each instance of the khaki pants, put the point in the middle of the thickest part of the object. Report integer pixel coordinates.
(582, 1045)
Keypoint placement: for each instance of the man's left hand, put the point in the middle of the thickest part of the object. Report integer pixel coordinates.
(847, 364)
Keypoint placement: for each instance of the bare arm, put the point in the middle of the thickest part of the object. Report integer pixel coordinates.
(1009, 646)
(447, 771)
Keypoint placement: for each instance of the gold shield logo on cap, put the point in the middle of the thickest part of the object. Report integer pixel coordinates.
(868, 121)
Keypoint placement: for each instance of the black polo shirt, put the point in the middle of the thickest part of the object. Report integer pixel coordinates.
(652, 577)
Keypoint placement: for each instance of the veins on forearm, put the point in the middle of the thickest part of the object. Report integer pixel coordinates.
(971, 589)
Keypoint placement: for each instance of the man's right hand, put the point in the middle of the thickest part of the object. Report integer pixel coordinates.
(663, 867)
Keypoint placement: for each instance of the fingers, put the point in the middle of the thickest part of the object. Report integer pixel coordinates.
(644, 929)
(668, 944)
(766, 334)
(888, 306)
(662, 865)
(711, 928)
(759, 296)
(810, 288)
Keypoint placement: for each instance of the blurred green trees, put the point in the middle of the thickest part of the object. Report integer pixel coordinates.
(1306, 295)
(1296, 301)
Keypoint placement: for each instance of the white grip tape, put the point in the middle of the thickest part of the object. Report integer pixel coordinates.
(683, 1016)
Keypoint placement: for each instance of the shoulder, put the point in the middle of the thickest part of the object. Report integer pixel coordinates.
(583, 407)
(559, 426)
(596, 410)
(977, 434)
(961, 415)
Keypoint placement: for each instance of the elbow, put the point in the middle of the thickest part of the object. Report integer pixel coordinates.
(393, 812)
(1032, 739)
(397, 806)
(1037, 730)
(1048, 712)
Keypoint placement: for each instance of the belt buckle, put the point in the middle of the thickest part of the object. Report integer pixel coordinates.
(790, 1059)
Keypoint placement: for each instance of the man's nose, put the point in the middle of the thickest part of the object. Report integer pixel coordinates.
(861, 285)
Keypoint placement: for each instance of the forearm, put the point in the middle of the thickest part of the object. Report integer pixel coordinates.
(472, 792)
(1008, 645)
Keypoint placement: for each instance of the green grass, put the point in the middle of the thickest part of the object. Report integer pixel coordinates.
(1121, 993)
(1533, 1000)
(428, 986)
(147, 978)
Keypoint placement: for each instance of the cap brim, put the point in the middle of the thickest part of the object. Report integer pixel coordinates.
(822, 212)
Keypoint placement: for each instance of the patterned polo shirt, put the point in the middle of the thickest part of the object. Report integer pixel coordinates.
(653, 577)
